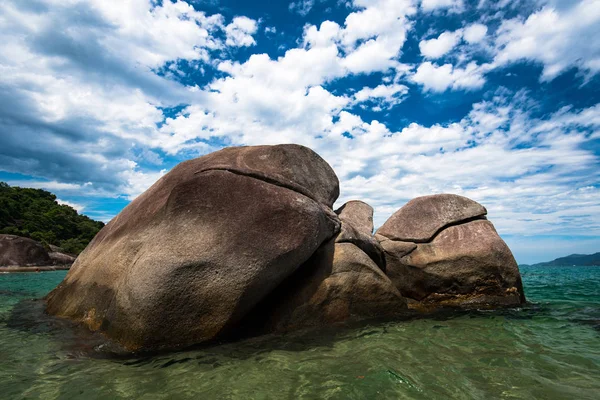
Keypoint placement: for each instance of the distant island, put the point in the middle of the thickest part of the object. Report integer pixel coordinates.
(575, 260)
(36, 214)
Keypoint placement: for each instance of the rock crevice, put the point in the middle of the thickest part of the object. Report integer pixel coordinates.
(276, 182)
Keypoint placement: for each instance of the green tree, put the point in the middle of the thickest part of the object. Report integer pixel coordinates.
(35, 213)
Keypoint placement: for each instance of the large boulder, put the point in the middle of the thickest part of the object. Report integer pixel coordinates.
(244, 241)
(21, 251)
(357, 228)
(448, 255)
(423, 217)
(358, 214)
(194, 254)
(340, 283)
(343, 281)
(59, 258)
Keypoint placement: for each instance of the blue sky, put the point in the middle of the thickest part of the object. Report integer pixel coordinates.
(494, 100)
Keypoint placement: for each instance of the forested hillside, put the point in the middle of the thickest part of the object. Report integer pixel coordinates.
(34, 213)
(573, 260)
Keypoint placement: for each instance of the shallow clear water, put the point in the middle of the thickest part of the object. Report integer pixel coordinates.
(549, 349)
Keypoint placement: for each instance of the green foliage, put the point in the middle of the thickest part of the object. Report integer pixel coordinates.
(74, 245)
(34, 213)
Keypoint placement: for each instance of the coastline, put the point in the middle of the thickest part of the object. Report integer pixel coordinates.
(14, 269)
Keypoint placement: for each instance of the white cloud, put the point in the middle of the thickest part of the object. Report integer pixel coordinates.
(77, 207)
(379, 30)
(384, 96)
(495, 156)
(371, 38)
(374, 55)
(475, 33)
(437, 47)
(557, 38)
(83, 89)
(136, 181)
(324, 36)
(239, 32)
(452, 5)
(301, 7)
(378, 18)
(47, 185)
(440, 78)
(154, 35)
(89, 117)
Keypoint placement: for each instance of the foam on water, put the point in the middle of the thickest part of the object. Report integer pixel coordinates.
(549, 349)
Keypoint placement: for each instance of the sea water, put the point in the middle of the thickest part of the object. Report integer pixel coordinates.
(547, 349)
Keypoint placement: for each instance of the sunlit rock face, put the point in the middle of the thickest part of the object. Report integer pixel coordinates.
(198, 250)
(440, 250)
(244, 241)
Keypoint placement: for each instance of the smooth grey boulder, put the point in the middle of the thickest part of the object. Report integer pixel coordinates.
(244, 241)
(358, 214)
(194, 254)
(343, 281)
(397, 248)
(357, 228)
(59, 258)
(339, 283)
(21, 251)
(421, 218)
(465, 263)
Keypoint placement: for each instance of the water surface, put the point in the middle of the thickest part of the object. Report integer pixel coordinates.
(549, 349)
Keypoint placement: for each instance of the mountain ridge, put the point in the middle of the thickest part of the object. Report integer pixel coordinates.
(575, 260)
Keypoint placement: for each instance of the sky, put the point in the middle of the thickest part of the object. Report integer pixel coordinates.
(498, 101)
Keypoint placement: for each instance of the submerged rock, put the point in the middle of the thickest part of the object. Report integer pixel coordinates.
(455, 257)
(21, 251)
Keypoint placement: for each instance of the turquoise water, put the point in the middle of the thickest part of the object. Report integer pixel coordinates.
(549, 349)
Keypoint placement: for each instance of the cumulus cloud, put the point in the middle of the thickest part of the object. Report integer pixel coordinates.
(239, 32)
(493, 155)
(47, 185)
(136, 181)
(452, 5)
(301, 7)
(150, 35)
(440, 78)
(383, 96)
(374, 36)
(79, 84)
(437, 47)
(557, 38)
(475, 33)
(91, 105)
(78, 207)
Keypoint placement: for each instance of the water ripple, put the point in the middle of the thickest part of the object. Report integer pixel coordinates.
(548, 349)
